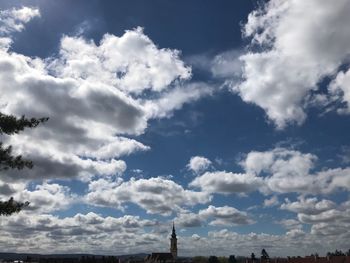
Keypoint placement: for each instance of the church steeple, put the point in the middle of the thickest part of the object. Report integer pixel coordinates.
(173, 234)
(173, 243)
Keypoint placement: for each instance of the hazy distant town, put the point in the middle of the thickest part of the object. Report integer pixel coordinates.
(337, 256)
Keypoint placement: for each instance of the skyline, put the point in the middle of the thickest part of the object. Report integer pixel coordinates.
(229, 118)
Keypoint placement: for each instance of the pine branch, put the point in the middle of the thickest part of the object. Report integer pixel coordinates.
(11, 206)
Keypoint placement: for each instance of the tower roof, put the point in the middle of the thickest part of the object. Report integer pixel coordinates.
(173, 234)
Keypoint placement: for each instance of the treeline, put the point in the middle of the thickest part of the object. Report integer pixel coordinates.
(215, 259)
(230, 259)
(72, 259)
(338, 253)
(264, 257)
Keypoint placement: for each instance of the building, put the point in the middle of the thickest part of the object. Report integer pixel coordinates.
(173, 243)
(165, 257)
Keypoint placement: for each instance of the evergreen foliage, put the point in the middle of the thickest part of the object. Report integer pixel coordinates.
(10, 125)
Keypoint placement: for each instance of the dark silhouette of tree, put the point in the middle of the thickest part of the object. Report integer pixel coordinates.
(11, 206)
(338, 253)
(10, 125)
(252, 257)
(264, 254)
(232, 259)
(213, 259)
(199, 259)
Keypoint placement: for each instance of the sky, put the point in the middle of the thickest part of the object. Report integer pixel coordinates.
(229, 118)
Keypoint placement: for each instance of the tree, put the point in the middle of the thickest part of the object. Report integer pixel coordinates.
(338, 253)
(252, 257)
(10, 125)
(232, 259)
(11, 206)
(213, 259)
(223, 259)
(199, 259)
(264, 254)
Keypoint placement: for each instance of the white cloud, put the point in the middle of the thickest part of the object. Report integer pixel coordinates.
(43, 198)
(227, 182)
(340, 88)
(139, 62)
(94, 233)
(216, 216)
(171, 100)
(287, 171)
(89, 233)
(298, 51)
(221, 66)
(279, 170)
(227, 64)
(47, 197)
(328, 220)
(188, 219)
(290, 224)
(273, 201)
(310, 206)
(326, 216)
(94, 95)
(119, 147)
(279, 161)
(156, 195)
(225, 216)
(198, 164)
(13, 20)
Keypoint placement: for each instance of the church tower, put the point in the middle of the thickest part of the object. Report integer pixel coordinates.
(173, 243)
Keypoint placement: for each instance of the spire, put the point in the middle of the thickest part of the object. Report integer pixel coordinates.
(173, 234)
(173, 243)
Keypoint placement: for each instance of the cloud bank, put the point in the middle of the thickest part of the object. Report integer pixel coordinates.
(290, 54)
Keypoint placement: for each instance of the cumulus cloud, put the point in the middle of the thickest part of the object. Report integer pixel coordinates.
(225, 216)
(140, 64)
(295, 52)
(310, 206)
(156, 195)
(198, 164)
(286, 170)
(327, 219)
(290, 224)
(227, 182)
(221, 66)
(43, 198)
(279, 170)
(188, 219)
(93, 233)
(13, 20)
(273, 201)
(85, 232)
(216, 216)
(294, 242)
(340, 89)
(47, 198)
(95, 96)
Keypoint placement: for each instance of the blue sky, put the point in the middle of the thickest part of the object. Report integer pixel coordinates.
(228, 117)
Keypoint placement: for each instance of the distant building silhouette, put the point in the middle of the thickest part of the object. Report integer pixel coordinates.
(165, 257)
(173, 243)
